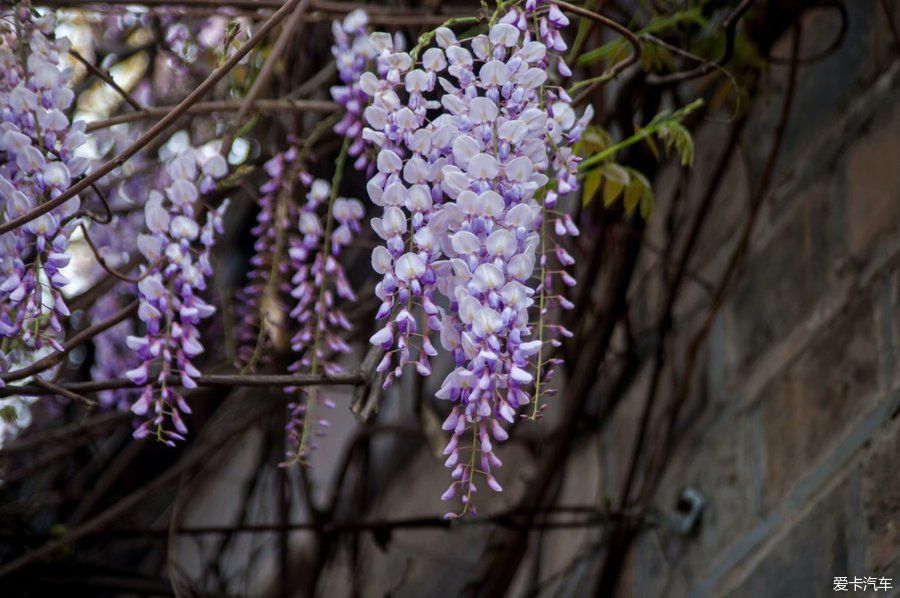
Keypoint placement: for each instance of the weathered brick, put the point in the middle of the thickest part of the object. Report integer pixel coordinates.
(783, 280)
(723, 464)
(881, 503)
(873, 186)
(824, 544)
(816, 397)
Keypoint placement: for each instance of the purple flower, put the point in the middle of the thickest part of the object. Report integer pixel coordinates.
(37, 163)
(171, 307)
(263, 300)
(467, 199)
(296, 260)
(353, 53)
(318, 285)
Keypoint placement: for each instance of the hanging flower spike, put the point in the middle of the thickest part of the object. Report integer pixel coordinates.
(565, 130)
(353, 54)
(37, 163)
(320, 281)
(481, 163)
(170, 305)
(263, 300)
(407, 187)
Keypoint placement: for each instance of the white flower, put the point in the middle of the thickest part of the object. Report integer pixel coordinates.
(501, 243)
(491, 204)
(394, 221)
(417, 81)
(465, 243)
(182, 192)
(433, 60)
(483, 166)
(419, 199)
(521, 215)
(464, 149)
(319, 190)
(388, 162)
(486, 322)
(445, 37)
(156, 216)
(488, 277)
(215, 166)
(376, 117)
(483, 110)
(183, 227)
(494, 73)
(409, 267)
(381, 260)
(149, 246)
(504, 34)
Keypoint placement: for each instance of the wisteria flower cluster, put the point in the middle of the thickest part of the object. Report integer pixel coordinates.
(318, 284)
(171, 308)
(263, 303)
(37, 164)
(466, 201)
(296, 260)
(353, 55)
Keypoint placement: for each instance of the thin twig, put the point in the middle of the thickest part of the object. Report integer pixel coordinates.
(109, 269)
(65, 392)
(158, 128)
(265, 73)
(82, 337)
(107, 78)
(266, 106)
(211, 380)
(617, 68)
(730, 25)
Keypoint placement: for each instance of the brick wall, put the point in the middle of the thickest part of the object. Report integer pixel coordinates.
(794, 436)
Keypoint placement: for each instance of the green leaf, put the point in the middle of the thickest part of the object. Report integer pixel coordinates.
(676, 136)
(615, 179)
(594, 139)
(647, 204)
(633, 193)
(591, 184)
(616, 173)
(636, 192)
(611, 191)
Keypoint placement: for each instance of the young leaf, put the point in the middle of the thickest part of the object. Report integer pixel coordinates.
(615, 179)
(591, 184)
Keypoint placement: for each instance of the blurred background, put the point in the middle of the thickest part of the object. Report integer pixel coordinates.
(726, 419)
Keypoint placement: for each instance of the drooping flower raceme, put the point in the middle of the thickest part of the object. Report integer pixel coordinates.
(318, 285)
(37, 164)
(263, 302)
(178, 248)
(296, 284)
(466, 198)
(353, 53)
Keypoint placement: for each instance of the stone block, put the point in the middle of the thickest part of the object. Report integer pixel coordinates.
(809, 404)
(783, 279)
(803, 563)
(880, 497)
(873, 186)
